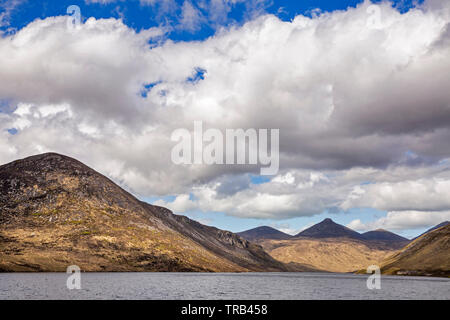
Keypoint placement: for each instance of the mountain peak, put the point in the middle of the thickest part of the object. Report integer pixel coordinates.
(329, 229)
(46, 162)
(75, 215)
(264, 232)
(41, 179)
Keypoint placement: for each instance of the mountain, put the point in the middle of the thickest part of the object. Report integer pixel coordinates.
(383, 235)
(329, 246)
(427, 255)
(328, 229)
(433, 228)
(264, 232)
(56, 211)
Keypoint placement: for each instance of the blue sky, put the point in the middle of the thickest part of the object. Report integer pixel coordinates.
(139, 15)
(209, 20)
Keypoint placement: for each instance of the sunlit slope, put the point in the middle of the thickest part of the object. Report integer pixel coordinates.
(427, 255)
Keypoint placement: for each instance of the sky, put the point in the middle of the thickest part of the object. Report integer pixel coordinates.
(358, 90)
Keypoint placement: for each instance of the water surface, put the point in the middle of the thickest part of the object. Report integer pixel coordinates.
(147, 285)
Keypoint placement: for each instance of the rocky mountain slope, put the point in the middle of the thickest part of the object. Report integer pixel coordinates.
(55, 212)
(427, 255)
(264, 232)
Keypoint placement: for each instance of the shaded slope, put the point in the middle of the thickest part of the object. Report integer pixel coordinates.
(382, 235)
(386, 237)
(264, 232)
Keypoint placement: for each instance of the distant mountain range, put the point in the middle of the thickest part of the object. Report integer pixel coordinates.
(329, 246)
(56, 212)
(325, 229)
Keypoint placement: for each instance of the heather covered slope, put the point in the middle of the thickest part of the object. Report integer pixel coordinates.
(55, 212)
(427, 255)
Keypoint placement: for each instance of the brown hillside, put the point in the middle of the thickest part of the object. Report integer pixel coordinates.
(427, 255)
(329, 254)
(55, 212)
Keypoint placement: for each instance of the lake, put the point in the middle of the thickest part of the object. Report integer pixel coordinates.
(256, 286)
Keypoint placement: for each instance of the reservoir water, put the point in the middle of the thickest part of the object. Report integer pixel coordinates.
(232, 286)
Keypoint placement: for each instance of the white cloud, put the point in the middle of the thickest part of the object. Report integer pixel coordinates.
(181, 204)
(287, 178)
(425, 194)
(354, 105)
(402, 220)
(191, 18)
(308, 196)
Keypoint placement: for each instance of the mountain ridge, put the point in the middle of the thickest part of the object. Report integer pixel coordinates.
(327, 228)
(442, 224)
(264, 232)
(383, 235)
(322, 230)
(55, 211)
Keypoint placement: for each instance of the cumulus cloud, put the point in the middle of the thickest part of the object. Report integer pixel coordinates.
(425, 194)
(401, 220)
(306, 193)
(363, 112)
(191, 17)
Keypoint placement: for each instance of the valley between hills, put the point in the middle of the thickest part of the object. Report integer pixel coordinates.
(55, 212)
(331, 247)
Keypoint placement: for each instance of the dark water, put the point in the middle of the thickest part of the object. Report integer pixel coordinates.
(219, 286)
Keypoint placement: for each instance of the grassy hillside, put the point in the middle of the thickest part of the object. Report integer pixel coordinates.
(427, 255)
(56, 212)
